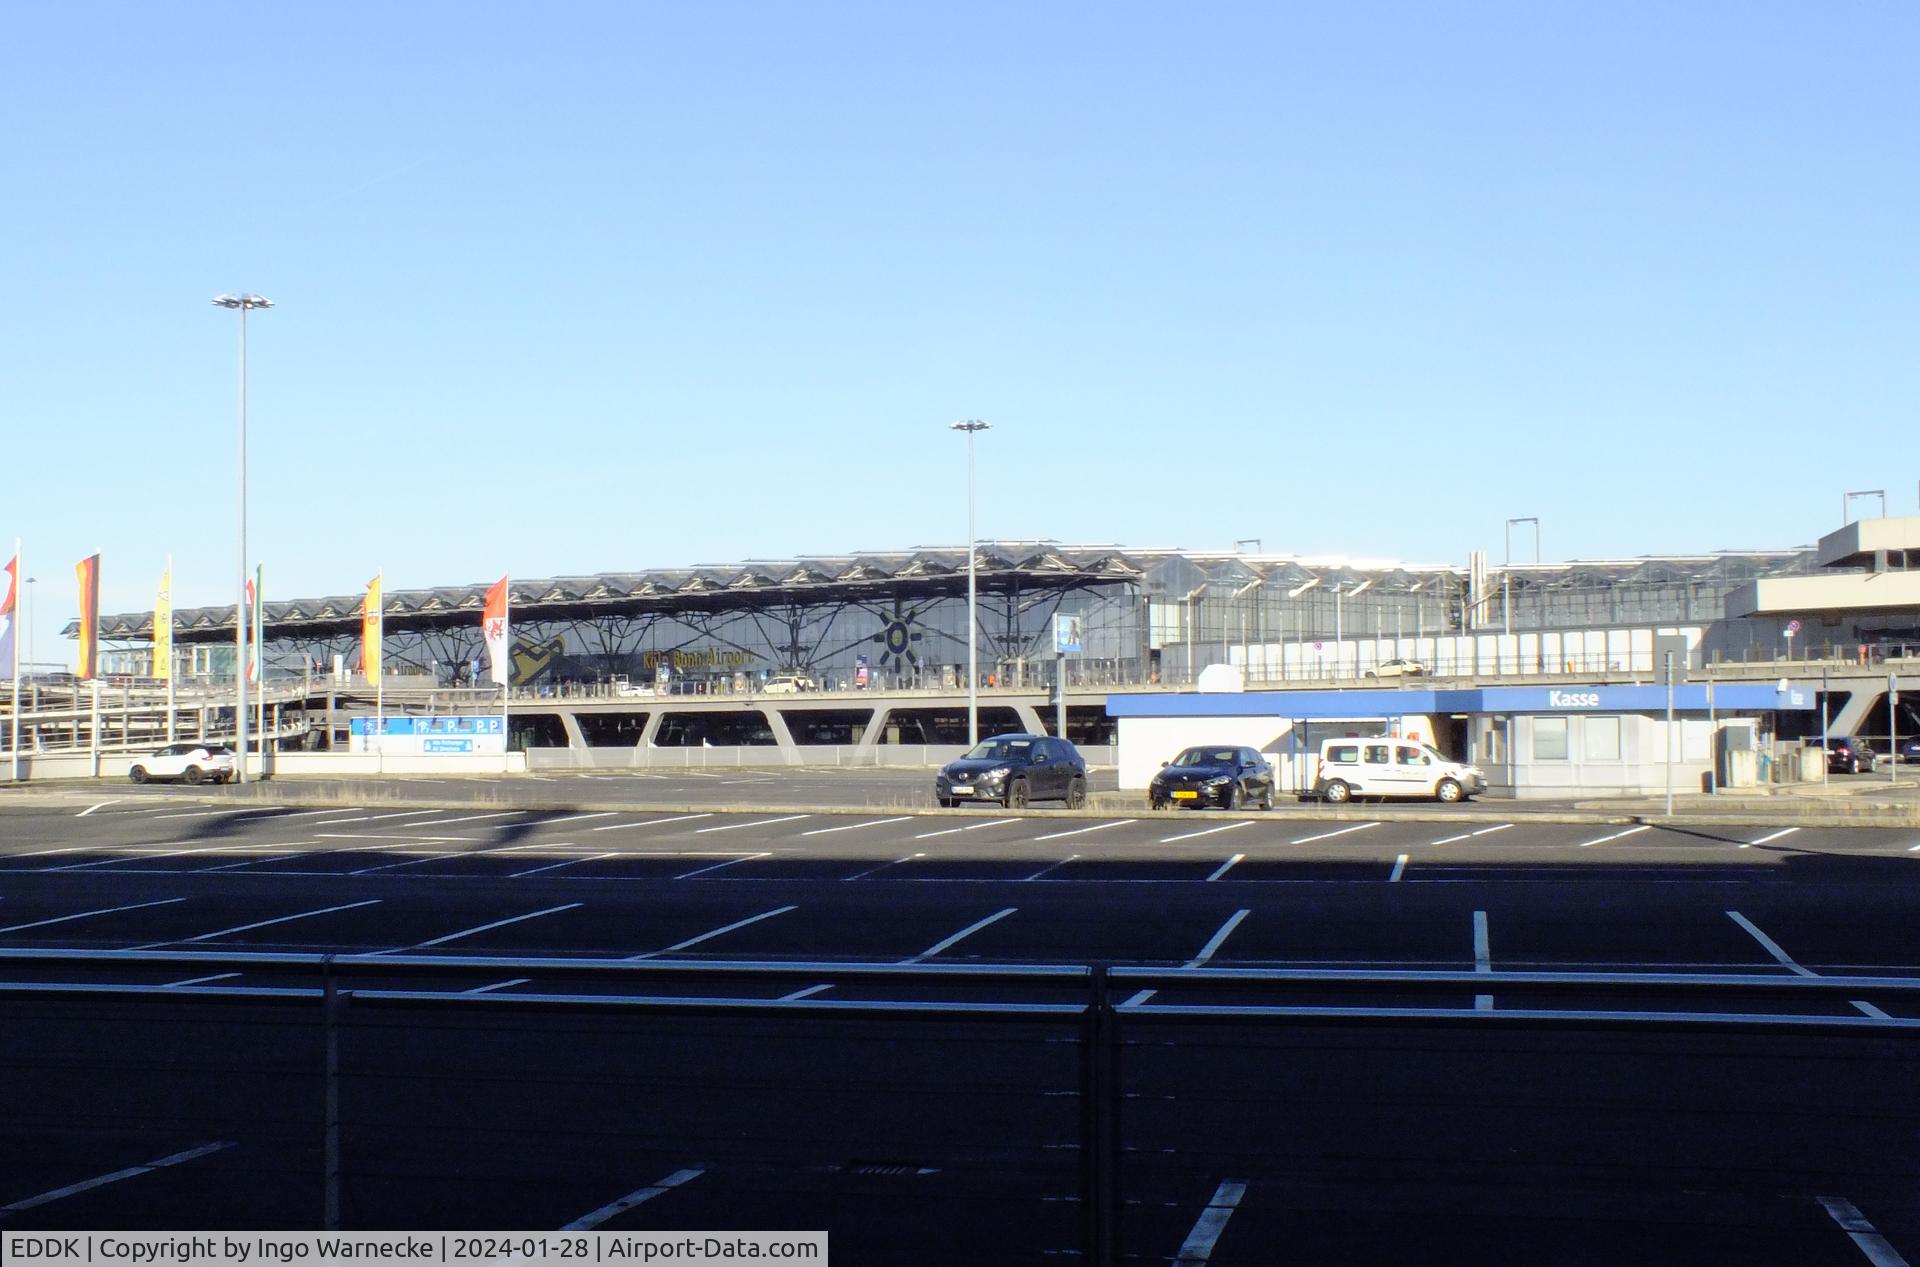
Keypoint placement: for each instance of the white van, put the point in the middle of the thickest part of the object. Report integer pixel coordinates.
(1385, 766)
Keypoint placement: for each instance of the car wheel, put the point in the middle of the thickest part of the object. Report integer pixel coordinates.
(1450, 791)
(1336, 793)
(1266, 798)
(194, 774)
(1229, 796)
(138, 774)
(1016, 794)
(1077, 793)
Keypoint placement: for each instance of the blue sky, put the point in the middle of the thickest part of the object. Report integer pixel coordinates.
(574, 288)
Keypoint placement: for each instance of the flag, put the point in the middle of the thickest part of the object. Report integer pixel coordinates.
(87, 570)
(163, 628)
(9, 604)
(493, 627)
(372, 630)
(253, 614)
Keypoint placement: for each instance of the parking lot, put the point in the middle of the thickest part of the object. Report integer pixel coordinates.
(502, 1106)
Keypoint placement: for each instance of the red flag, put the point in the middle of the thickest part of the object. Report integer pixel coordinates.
(493, 628)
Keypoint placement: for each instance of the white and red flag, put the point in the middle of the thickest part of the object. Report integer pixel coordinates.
(493, 628)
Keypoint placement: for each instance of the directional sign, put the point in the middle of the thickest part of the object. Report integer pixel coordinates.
(1793, 627)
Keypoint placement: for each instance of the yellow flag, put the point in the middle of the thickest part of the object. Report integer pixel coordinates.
(163, 628)
(372, 630)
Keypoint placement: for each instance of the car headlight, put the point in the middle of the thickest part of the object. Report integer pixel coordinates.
(998, 772)
(1220, 780)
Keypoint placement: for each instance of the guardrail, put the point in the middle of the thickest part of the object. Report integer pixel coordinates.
(1078, 1056)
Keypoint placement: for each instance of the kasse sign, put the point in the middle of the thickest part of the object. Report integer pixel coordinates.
(1573, 699)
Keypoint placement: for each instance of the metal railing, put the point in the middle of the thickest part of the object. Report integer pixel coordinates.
(1080, 1056)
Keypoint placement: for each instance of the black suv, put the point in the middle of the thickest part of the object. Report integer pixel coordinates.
(1847, 755)
(1227, 776)
(1012, 770)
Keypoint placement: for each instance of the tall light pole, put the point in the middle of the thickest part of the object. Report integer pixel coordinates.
(971, 426)
(241, 304)
(1506, 571)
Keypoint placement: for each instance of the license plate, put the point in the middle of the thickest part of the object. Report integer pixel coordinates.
(1186, 796)
(963, 791)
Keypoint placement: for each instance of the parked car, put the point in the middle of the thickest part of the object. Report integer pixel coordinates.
(1386, 766)
(1398, 668)
(1013, 770)
(1223, 775)
(192, 762)
(1910, 750)
(789, 684)
(1847, 754)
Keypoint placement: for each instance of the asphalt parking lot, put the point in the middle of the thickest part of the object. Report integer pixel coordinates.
(499, 1109)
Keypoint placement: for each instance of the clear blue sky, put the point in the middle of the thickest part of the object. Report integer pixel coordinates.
(571, 288)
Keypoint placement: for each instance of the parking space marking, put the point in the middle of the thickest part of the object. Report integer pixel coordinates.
(947, 943)
(1198, 1248)
(474, 818)
(1329, 835)
(110, 910)
(1868, 1009)
(1619, 835)
(564, 862)
(807, 993)
(1770, 838)
(587, 1222)
(245, 928)
(218, 976)
(1052, 866)
(418, 838)
(497, 985)
(484, 928)
(411, 862)
(718, 866)
(713, 933)
(574, 818)
(877, 822)
(1206, 831)
(653, 822)
(1469, 835)
(1399, 869)
(87, 1185)
(369, 818)
(758, 822)
(1214, 942)
(998, 822)
(102, 805)
(1227, 866)
(861, 875)
(1769, 945)
(1863, 1233)
(1482, 959)
(308, 813)
(148, 851)
(1081, 831)
(1139, 997)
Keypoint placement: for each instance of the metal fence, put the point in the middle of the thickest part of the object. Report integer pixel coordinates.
(1009, 1112)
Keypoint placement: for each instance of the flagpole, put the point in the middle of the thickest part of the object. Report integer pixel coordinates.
(260, 661)
(506, 688)
(379, 659)
(19, 566)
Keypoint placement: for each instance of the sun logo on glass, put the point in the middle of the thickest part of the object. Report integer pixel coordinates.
(897, 638)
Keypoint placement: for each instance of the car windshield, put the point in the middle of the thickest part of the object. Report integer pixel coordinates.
(1000, 750)
(1204, 756)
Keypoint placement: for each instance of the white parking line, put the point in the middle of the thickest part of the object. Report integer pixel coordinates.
(861, 875)
(588, 1222)
(1139, 997)
(147, 853)
(308, 813)
(876, 822)
(474, 818)
(283, 919)
(725, 928)
(1206, 831)
(102, 805)
(484, 928)
(1469, 835)
(653, 822)
(1081, 831)
(1227, 866)
(417, 838)
(947, 943)
(1329, 835)
(1213, 943)
(1769, 945)
(758, 822)
(111, 910)
(497, 985)
(574, 818)
(1051, 867)
(731, 862)
(555, 866)
(1769, 839)
(1198, 1248)
(1482, 959)
(87, 1185)
(1869, 1009)
(1619, 835)
(1399, 869)
(1863, 1233)
(998, 822)
(218, 976)
(411, 862)
(807, 993)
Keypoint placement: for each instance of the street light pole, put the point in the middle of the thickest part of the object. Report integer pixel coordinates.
(241, 304)
(971, 426)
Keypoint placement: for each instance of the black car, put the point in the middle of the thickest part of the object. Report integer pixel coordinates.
(1847, 755)
(1222, 775)
(1012, 770)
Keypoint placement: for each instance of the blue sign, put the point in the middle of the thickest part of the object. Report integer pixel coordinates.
(464, 725)
(447, 745)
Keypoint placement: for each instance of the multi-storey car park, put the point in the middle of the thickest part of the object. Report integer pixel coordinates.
(672, 658)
